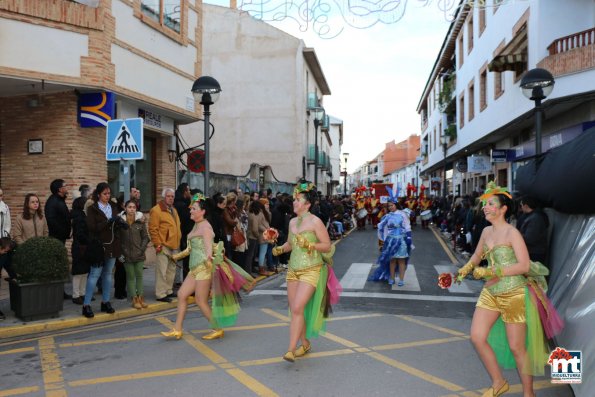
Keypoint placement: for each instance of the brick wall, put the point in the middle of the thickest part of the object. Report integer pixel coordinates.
(74, 154)
(571, 61)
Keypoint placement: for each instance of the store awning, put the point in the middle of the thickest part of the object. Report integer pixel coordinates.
(513, 56)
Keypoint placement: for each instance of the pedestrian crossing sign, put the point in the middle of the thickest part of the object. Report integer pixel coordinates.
(124, 140)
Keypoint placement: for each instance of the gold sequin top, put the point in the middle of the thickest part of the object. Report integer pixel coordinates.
(300, 258)
(503, 256)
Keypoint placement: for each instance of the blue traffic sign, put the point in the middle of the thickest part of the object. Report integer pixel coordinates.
(124, 140)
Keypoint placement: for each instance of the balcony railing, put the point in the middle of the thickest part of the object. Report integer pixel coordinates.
(577, 40)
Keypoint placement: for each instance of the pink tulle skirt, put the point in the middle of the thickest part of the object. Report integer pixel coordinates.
(333, 286)
(550, 319)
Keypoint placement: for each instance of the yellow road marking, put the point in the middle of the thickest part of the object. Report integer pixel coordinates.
(444, 247)
(274, 360)
(111, 340)
(20, 390)
(243, 328)
(278, 316)
(354, 317)
(251, 383)
(142, 375)
(430, 325)
(16, 351)
(227, 366)
(416, 372)
(417, 343)
(470, 394)
(362, 349)
(196, 344)
(50, 367)
(339, 340)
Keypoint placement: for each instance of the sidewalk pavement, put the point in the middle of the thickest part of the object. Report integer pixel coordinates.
(71, 314)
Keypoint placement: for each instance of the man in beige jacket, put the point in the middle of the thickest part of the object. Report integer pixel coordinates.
(164, 229)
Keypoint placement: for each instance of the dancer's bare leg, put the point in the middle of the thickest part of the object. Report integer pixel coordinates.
(483, 320)
(183, 293)
(516, 334)
(298, 295)
(201, 295)
(402, 267)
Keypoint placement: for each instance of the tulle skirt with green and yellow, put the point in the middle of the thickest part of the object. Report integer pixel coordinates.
(227, 281)
(328, 291)
(543, 322)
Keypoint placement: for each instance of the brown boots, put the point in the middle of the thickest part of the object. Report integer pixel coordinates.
(138, 302)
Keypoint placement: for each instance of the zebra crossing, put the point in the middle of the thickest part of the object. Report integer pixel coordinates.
(355, 278)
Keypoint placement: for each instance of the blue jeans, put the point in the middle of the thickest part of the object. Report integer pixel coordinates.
(106, 280)
(262, 251)
(272, 261)
(339, 227)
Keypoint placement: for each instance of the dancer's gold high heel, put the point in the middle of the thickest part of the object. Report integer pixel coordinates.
(216, 334)
(495, 393)
(173, 334)
(302, 350)
(289, 356)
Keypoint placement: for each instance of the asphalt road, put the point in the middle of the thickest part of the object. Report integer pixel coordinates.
(411, 341)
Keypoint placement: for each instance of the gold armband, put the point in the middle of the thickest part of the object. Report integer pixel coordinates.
(278, 251)
(483, 272)
(465, 270)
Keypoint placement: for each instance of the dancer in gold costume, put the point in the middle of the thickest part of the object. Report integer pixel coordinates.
(209, 269)
(308, 272)
(506, 327)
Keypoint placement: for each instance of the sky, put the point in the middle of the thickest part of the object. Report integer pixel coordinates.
(377, 75)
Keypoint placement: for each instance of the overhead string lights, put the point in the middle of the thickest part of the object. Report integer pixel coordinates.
(328, 18)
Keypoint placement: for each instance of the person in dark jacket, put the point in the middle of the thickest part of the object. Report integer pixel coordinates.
(102, 221)
(57, 215)
(134, 240)
(215, 216)
(534, 229)
(182, 205)
(80, 241)
(56, 211)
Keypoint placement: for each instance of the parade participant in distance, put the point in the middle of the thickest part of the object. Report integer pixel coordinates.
(394, 231)
(507, 309)
(209, 268)
(308, 272)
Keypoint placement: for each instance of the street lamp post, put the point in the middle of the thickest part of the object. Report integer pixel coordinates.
(536, 85)
(345, 156)
(444, 140)
(318, 113)
(206, 91)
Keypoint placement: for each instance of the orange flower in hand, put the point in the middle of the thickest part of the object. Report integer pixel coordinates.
(445, 280)
(270, 235)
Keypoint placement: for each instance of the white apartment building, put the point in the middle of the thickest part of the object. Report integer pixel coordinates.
(264, 131)
(473, 95)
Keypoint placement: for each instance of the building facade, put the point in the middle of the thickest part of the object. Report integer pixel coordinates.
(264, 128)
(476, 124)
(70, 65)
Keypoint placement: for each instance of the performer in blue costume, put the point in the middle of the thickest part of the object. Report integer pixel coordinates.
(394, 230)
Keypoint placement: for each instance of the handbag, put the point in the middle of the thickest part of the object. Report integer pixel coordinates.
(237, 237)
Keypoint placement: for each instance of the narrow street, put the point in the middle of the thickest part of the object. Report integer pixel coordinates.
(379, 341)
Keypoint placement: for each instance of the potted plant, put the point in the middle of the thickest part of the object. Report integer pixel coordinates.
(41, 265)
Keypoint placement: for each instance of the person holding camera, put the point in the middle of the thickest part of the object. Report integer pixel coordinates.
(104, 246)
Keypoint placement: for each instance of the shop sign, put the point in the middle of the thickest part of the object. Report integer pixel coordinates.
(461, 166)
(499, 155)
(152, 119)
(479, 164)
(96, 109)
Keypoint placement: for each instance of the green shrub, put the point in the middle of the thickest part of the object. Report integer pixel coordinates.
(41, 259)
